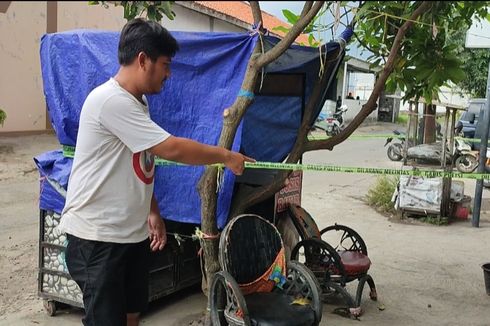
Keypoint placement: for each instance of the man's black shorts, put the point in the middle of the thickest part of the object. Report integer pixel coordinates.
(112, 276)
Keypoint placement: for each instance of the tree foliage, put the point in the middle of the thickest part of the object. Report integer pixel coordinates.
(430, 53)
(154, 10)
(475, 64)
(428, 57)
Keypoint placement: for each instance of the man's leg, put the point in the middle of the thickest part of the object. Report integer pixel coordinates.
(137, 281)
(98, 268)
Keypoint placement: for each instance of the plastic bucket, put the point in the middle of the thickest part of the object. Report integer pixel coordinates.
(486, 276)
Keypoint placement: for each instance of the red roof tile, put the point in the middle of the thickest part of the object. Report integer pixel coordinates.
(242, 11)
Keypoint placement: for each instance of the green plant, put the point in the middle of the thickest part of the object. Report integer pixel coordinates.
(3, 116)
(436, 220)
(155, 10)
(380, 194)
(402, 119)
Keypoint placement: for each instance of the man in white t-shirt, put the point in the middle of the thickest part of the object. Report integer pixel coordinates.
(111, 216)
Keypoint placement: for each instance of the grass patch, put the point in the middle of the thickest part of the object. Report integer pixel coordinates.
(402, 118)
(436, 220)
(379, 195)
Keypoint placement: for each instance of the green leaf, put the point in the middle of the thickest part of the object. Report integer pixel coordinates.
(390, 85)
(422, 73)
(151, 13)
(311, 39)
(281, 29)
(167, 9)
(292, 18)
(455, 74)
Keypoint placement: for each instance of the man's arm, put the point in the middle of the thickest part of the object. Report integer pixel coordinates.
(156, 227)
(188, 151)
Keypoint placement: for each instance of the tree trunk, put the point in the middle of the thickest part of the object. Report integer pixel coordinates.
(429, 123)
(231, 119)
(234, 114)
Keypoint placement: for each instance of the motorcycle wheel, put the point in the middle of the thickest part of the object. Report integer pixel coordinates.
(394, 151)
(466, 163)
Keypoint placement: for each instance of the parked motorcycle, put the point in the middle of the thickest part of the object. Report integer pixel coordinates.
(335, 123)
(395, 150)
(463, 157)
(467, 160)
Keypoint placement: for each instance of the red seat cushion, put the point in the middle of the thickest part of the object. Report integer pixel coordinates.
(354, 262)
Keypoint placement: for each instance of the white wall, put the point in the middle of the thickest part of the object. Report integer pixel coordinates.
(21, 96)
(354, 106)
(79, 14)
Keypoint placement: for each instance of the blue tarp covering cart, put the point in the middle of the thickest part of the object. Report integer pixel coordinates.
(206, 77)
(207, 74)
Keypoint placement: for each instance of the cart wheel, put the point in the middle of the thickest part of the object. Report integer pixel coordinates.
(50, 307)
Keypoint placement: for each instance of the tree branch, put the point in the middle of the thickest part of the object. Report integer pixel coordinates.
(370, 105)
(294, 32)
(306, 8)
(256, 13)
(246, 197)
(365, 45)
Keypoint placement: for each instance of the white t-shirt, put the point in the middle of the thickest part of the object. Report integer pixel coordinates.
(111, 182)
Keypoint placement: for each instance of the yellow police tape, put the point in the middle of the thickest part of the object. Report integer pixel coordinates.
(364, 137)
(68, 151)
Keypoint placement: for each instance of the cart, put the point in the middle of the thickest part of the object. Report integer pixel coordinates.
(176, 267)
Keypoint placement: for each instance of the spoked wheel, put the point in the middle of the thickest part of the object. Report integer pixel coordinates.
(227, 303)
(324, 262)
(301, 282)
(342, 237)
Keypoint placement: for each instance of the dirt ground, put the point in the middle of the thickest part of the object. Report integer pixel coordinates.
(425, 274)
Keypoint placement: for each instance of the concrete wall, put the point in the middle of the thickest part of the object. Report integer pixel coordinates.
(79, 14)
(192, 21)
(21, 29)
(21, 96)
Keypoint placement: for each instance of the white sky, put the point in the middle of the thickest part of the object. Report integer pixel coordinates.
(275, 7)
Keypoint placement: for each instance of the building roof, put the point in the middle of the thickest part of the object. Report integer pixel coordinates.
(241, 11)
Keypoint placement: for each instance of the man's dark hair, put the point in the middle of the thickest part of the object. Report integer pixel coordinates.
(140, 35)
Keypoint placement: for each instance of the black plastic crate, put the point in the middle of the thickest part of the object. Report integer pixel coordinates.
(175, 267)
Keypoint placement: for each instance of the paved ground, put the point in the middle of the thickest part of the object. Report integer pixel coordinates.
(425, 274)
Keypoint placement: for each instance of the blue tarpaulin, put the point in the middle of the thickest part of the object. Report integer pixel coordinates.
(271, 123)
(56, 167)
(206, 77)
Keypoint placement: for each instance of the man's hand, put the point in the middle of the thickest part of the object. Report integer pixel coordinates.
(158, 232)
(236, 162)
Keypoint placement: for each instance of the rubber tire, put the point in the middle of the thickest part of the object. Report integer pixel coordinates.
(50, 307)
(464, 168)
(392, 155)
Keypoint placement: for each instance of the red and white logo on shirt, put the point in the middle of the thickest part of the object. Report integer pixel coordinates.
(144, 166)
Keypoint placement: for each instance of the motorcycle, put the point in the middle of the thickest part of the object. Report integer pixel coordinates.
(335, 123)
(395, 150)
(463, 157)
